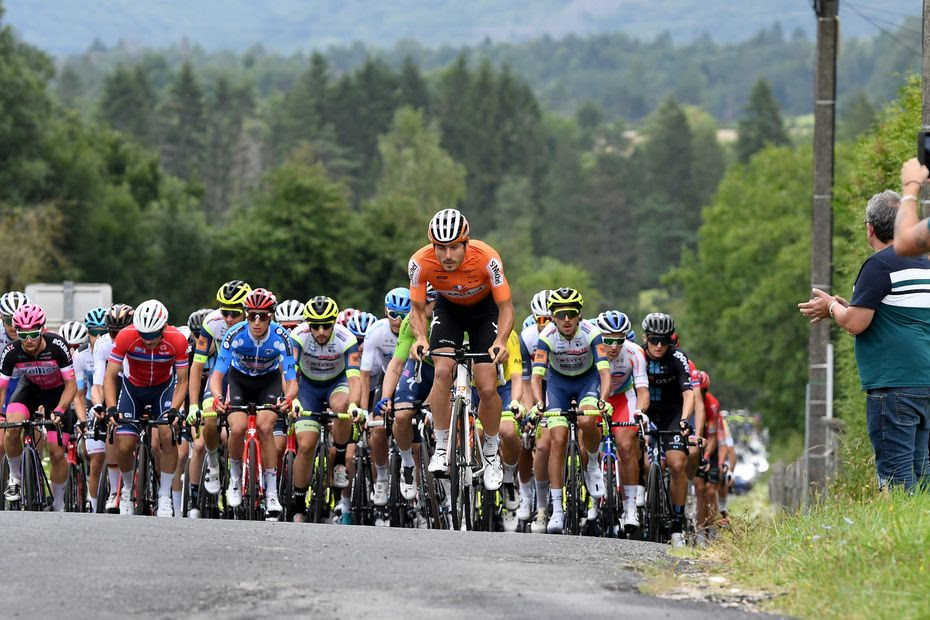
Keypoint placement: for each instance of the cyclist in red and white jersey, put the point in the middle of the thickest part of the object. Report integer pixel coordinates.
(629, 395)
(154, 351)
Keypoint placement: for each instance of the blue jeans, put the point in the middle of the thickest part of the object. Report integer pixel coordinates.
(898, 420)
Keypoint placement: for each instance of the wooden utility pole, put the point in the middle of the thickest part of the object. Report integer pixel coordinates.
(818, 406)
(925, 105)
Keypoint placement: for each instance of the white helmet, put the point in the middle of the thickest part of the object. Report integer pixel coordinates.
(74, 333)
(185, 331)
(289, 311)
(11, 301)
(539, 305)
(150, 317)
(448, 226)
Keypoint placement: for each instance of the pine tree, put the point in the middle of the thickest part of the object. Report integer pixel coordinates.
(761, 124)
(184, 126)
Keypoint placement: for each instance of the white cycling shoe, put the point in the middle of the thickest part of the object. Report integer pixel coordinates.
(493, 472)
(630, 519)
(594, 481)
(526, 505)
(540, 523)
(408, 488)
(340, 477)
(165, 507)
(125, 502)
(678, 540)
(272, 507)
(211, 480)
(234, 494)
(556, 523)
(380, 494)
(112, 504)
(439, 463)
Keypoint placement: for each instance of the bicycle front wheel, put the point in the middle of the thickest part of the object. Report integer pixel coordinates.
(318, 484)
(31, 494)
(251, 501)
(611, 512)
(457, 465)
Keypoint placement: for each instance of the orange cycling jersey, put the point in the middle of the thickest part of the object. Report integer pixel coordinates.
(480, 274)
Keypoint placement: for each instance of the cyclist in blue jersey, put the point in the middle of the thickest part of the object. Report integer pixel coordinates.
(254, 355)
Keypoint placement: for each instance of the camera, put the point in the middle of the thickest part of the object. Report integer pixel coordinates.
(923, 147)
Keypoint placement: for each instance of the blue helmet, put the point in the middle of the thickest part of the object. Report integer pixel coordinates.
(631, 336)
(359, 323)
(398, 300)
(96, 318)
(530, 320)
(613, 322)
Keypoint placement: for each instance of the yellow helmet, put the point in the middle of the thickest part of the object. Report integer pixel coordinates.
(233, 293)
(321, 309)
(565, 298)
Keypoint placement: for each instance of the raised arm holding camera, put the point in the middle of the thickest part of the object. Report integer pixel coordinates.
(912, 234)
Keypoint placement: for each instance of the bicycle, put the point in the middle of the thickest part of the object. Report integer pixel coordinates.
(528, 442)
(363, 508)
(465, 458)
(431, 495)
(611, 505)
(657, 513)
(76, 486)
(320, 497)
(36, 494)
(145, 472)
(575, 496)
(253, 484)
(286, 480)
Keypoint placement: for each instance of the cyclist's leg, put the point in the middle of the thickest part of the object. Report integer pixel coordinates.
(558, 398)
(627, 444)
(127, 436)
(56, 453)
(338, 398)
(447, 334)
(676, 456)
(307, 433)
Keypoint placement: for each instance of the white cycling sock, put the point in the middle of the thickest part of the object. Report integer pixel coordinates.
(382, 472)
(491, 442)
(93, 503)
(164, 484)
(406, 457)
(442, 439)
(58, 495)
(127, 480)
(271, 482)
(16, 468)
(213, 458)
(542, 492)
(629, 490)
(176, 501)
(346, 504)
(235, 470)
(113, 476)
(556, 496)
(721, 504)
(593, 461)
(508, 472)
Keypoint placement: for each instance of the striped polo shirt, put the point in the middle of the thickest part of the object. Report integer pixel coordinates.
(894, 350)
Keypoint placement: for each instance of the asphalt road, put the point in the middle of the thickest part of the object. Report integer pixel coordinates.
(102, 566)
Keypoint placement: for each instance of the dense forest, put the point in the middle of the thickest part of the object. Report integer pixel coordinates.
(170, 177)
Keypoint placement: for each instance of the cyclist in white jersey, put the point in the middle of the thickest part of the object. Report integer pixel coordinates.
(380, 342)
(629, 395)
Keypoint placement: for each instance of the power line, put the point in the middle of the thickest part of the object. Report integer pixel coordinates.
(884, 30)
(893, 24)
(878, 9)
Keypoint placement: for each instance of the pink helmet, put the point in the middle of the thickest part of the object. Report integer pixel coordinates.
(29, 316)
(345, 315)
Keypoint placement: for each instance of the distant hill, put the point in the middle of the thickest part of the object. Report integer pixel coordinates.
(70, 26)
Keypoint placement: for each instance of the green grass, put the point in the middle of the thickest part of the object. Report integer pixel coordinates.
(852, 559)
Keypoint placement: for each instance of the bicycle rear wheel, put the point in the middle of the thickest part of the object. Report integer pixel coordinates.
(431, 497)
(103, 490)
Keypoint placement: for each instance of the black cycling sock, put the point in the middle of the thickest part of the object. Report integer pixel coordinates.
(299, 500)
(678, 518)
(340, 453)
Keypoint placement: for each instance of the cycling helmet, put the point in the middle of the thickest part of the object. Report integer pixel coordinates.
(675, 340)
(196, 318)
(538, 305)
(703, 379)
(659, 323)
(28, 316)
(431, 293)
(150, 317)
(613, 322)
(530, 320)
(565, 298)
(447, 227)
(119, 316)
(631, 336)
(185, 331)
(96, 318)
(11, 301)
(360, 322)
(74, 333)
(260, 299)
(345, 315)
(289, 311)
(398, 300)
(233, 293)
(321, 309)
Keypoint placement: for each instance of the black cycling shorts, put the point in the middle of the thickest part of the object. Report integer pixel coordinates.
(712, 475)
(262, 390)
(451, 321)
(669, 421)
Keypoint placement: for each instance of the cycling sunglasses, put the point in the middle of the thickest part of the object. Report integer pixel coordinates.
(264, 317)
(7, 320)
(567, 313)
(613, 341)
(228, 313)
(659, 340)
(33, 334)
(396, 315)
(321, 326)
(151, 335)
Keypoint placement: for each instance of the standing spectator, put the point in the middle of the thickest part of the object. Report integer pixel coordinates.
(889, 315)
